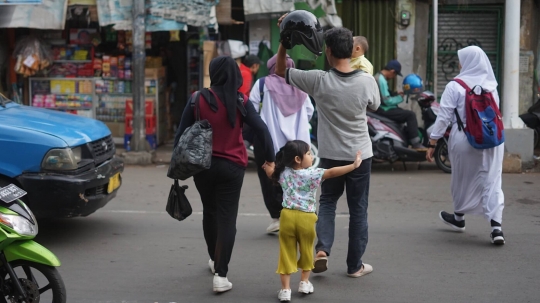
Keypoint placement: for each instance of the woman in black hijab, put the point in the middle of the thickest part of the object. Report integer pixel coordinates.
(219, 187)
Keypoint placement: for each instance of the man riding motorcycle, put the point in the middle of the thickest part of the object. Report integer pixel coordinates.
(389, 102)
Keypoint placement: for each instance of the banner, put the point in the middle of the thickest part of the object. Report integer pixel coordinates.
(167, 15)
(50, 14)
(161, 15)
(17, 2)
(117, 12)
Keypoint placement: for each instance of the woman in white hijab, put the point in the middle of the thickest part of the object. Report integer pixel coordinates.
(476, 173)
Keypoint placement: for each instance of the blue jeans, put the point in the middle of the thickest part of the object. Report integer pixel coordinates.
(357, 184)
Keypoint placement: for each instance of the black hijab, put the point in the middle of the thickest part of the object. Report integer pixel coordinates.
(225, 80)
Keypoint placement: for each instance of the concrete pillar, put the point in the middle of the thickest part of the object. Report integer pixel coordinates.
(510, 104)
(518, 140)
(405, 45)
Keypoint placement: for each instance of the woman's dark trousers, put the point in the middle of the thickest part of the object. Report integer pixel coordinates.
(220, 188)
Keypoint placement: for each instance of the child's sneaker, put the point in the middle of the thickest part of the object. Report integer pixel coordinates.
(305, 287)
(284, 295)
(221, 284)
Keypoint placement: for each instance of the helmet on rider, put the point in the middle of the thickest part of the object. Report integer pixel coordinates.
(412, 84)
(302, 27)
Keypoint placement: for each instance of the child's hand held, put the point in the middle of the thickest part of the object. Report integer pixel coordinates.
(358, 159)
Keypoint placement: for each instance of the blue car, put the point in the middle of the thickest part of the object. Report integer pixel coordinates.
(65, 163)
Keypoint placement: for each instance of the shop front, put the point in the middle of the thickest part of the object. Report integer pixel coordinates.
(84, 64)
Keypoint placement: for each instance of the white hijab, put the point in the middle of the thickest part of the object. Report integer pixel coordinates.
(476, 68)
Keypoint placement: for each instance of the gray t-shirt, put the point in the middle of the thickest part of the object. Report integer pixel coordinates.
(342, 99)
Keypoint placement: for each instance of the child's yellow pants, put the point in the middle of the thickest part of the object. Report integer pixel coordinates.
(296, 229)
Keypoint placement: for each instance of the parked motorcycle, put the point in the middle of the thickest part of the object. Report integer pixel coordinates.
(390, 142)
(28, 270)
(532, 120)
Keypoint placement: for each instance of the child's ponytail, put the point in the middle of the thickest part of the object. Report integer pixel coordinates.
(286, 157)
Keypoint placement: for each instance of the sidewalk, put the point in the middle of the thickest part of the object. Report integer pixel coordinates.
(162, 156)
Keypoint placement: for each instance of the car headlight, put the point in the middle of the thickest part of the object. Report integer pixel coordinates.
(62, 159)
(19, 224)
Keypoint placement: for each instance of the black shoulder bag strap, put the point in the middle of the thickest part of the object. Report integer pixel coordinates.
(261, 92)
(195, 104)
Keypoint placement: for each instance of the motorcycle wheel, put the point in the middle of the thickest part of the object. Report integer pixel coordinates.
(441, 156)
(42, 283)
(315, 153)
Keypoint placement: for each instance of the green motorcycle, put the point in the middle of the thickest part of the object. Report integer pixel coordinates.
(28, 271)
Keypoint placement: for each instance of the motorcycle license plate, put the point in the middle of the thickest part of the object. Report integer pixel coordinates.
(114, 183)
(11, 193)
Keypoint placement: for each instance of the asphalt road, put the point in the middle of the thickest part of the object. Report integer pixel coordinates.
(132, 251)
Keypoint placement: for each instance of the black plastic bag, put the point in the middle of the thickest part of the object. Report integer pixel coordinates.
(178, 205)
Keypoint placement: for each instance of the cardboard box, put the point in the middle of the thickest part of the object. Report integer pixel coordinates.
(153, 62)
(155, 73)
(117, 128)
(209, 53)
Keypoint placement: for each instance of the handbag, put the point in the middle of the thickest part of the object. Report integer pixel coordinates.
(193, 153)
(177, 204)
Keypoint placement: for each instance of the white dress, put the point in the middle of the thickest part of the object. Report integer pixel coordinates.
(476, 173)
(282, 129)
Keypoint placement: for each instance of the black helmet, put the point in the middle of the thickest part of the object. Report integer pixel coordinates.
(302, 27)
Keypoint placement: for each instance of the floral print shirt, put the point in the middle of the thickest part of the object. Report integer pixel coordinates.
(300, 188)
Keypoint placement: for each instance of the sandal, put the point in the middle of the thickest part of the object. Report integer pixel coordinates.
(321, 265)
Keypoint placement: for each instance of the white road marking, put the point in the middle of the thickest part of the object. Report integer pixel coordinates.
(150, 212)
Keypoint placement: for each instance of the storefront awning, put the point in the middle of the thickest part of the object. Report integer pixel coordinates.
(325, 10)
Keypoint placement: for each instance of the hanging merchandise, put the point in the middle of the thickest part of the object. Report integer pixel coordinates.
(32, 56)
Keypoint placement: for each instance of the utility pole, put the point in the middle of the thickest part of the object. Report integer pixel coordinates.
(139, 129)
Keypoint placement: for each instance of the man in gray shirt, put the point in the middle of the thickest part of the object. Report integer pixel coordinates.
(342, 95)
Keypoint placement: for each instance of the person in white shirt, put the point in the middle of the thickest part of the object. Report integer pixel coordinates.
(286, 110)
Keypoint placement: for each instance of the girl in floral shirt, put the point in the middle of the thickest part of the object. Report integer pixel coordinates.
(297, 223)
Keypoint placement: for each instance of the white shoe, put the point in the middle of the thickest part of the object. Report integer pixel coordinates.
(305, 287)
(211, 265)
(221, 284)
(273, 227)
(284, 295)
(366, 269)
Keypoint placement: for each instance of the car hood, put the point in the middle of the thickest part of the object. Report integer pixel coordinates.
(73, 129)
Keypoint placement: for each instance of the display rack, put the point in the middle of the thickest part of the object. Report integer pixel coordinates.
(73, 95)
(104, 99)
